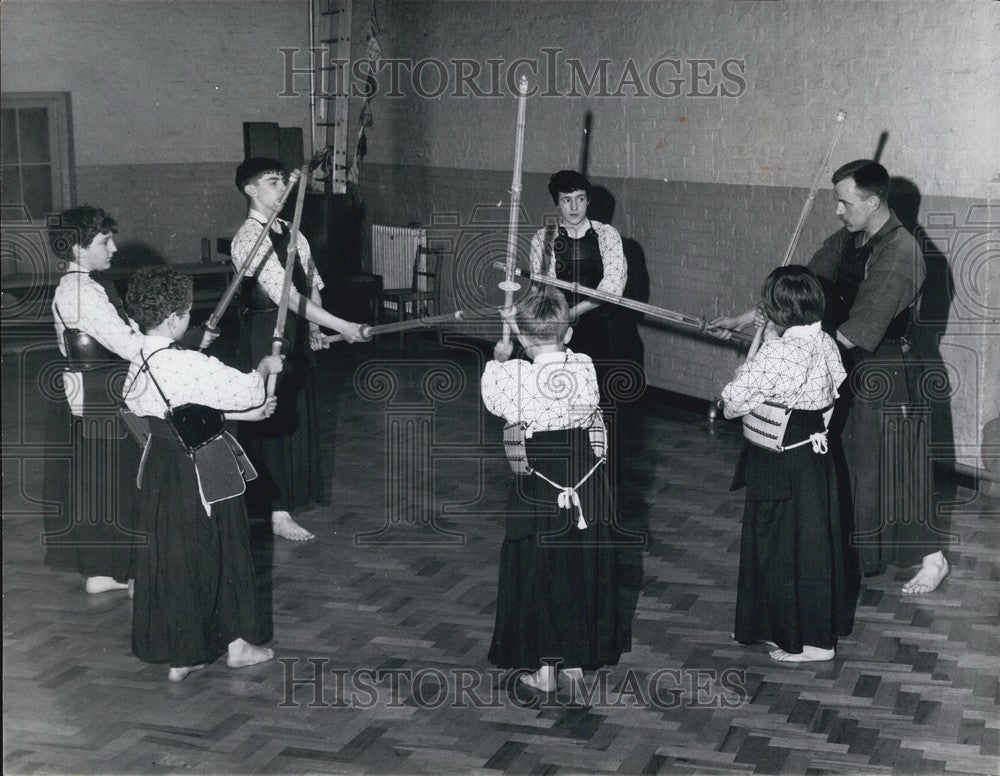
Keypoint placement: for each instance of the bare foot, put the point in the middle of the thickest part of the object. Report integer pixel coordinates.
(242, 654)
(180, 674)
(543, 679)
(807, 655)
(282, 525)
(933, 570)
(103, 585)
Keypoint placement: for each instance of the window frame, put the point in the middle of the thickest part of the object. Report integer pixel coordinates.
(62, 168)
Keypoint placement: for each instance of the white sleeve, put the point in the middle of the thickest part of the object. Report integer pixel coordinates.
(200, 379)
(313, 280)
(84, 305)
(835, 363)
(500, 387)
(590, 395)
(613, 257)
(271, 276)
(753, 384)
(537, 246)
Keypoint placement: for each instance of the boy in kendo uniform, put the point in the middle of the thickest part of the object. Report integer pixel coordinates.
(286, 447)
(195, 593)
(557, 606)
(95, 533)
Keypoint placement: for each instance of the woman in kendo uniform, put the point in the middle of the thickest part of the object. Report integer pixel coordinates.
(581, 250)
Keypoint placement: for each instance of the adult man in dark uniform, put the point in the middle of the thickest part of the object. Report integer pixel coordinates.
(873, 270)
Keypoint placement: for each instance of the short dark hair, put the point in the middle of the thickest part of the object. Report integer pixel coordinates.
(566, 182)
(793, 296)
(156, 292)
(250, 170)
(79, 226)
(871, 178)
(543, 315)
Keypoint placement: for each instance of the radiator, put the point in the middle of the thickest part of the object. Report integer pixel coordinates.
(394, 249)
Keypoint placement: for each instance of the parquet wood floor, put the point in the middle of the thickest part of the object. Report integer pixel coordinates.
(382, 624)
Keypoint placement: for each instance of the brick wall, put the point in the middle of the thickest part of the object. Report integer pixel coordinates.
(157, 82)
(699, 269)
(709, 188)
(919, 70)
(159, 93)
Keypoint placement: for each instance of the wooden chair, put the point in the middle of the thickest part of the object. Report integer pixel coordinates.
(420, 299)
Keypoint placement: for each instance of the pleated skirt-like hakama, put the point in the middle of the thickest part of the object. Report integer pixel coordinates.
(792, 585)
(195, 589)
(557, 596)
(285, 448)
(90, 520)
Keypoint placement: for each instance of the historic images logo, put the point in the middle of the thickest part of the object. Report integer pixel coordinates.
(550, 75)
(311, 683)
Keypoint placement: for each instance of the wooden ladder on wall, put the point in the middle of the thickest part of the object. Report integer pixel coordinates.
(331, 31)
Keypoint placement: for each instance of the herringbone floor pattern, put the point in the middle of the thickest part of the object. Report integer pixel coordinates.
(382, 624)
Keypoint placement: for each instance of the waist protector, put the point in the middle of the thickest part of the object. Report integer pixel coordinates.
(86, 354)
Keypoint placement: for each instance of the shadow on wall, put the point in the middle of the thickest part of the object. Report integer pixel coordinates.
(636, 287)
(602, 205)
(602, 208)
(931, 322)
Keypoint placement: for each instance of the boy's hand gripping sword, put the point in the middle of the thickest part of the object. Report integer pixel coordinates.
(220, 309)
(278, 340)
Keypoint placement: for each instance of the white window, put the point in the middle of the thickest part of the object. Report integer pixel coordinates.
(37, 162)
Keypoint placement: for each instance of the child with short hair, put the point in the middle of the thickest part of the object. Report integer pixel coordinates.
(286, 448)
(94, 532)
(195, 593)
(557, 609)
(791, 591)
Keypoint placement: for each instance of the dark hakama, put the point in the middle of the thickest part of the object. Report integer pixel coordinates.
(91, 499)
(599, 333)
(606, 334)
(883, 410)
(792, 587)
(194, 583)
(557, 595)
(890, 468)
(285, 448)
